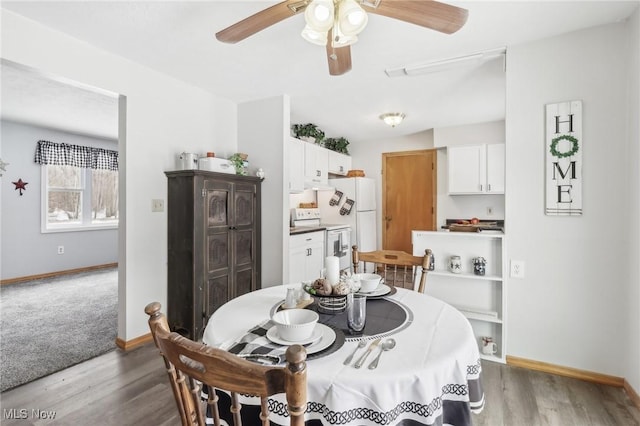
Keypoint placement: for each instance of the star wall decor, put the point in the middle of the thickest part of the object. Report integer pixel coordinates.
(20, 185)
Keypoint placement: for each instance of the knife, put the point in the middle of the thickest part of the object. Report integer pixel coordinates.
(364, 356)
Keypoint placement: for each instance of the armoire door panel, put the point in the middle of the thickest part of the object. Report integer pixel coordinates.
(218, 251)
(217, 213)
(244, 212)
(243, 247)
(244, 281)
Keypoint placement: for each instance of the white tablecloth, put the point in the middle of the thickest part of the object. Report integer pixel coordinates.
(431, 377)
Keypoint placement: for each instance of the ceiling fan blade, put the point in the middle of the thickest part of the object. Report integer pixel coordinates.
(426, 13)
(339, 59)
(261, 20)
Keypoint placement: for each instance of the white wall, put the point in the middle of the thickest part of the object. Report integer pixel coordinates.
(263, 129)
(25, 250)
(569, 310)
(632, 308)
(164, 117)
(367, 156)
(466, 206)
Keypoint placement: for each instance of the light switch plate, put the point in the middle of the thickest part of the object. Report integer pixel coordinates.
(157, 205)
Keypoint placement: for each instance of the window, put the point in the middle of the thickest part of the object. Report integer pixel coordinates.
(80, 187)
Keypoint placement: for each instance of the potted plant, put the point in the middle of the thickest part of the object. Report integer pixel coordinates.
(239, 161)
(309, 132)
(337, 144)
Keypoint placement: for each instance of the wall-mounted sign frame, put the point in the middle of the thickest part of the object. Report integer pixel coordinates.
(563, 146)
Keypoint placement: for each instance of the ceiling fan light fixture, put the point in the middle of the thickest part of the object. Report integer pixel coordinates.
(339, 39)
(351, 18)
(313, 36)
(392, 118)
(319, 15)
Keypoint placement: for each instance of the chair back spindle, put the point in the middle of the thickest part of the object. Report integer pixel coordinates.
(398, 268)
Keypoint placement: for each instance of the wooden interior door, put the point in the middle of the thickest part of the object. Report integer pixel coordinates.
(409, 189)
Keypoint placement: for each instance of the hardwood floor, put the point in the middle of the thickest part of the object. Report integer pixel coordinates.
(132, 389)
(521, 397)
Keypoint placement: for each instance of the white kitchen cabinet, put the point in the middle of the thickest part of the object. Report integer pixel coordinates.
(495, 168)
(296, 165)
(476, 169)
(480, 298)
(316, 165)
(306, 256)
(339, 164)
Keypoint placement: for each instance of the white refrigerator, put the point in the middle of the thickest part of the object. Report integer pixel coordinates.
(362, 215)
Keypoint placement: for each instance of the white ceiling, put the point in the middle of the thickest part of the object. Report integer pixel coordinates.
(177, 38)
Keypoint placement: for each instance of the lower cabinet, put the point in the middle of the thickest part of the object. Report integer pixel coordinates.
(213, 245)
(306, 256)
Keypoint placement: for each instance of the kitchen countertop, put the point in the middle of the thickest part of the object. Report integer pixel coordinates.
(305, 229)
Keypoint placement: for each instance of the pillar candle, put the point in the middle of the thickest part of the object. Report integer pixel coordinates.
(332, 263)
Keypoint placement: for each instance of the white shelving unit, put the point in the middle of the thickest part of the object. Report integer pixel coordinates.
(480, 298)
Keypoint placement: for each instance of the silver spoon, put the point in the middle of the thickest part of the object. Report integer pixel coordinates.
(387, 345)
(361, 345)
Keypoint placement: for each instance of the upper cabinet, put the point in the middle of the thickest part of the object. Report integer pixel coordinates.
(495, 168)
(296, 165)
(339, 164)
(310, 165)
(476, 169)
(316, 165)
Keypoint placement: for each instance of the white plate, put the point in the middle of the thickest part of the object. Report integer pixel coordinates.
(272, 335)
(328, 336)
(380, 291)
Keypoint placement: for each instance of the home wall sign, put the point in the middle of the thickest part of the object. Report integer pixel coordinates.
(563, 146)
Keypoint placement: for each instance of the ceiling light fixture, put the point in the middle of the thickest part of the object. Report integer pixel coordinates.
(447, 64)
(346, 20)
(392, 118)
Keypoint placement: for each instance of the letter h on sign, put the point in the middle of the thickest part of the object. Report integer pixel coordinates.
(563, 145)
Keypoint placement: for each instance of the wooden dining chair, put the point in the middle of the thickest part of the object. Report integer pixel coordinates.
(396, 267)
(191, 365)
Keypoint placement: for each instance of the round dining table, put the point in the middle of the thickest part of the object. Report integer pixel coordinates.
(431, 377)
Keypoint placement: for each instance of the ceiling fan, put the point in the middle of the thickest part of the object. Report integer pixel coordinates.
(336, 23)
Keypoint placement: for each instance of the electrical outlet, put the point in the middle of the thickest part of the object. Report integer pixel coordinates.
(60, 249)
(489, 211)
(517, 268)
(157, 205)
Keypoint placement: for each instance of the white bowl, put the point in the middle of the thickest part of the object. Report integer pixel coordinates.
(369, 282)
(295, 325)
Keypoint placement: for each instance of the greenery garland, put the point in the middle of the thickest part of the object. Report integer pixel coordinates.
(554, 146)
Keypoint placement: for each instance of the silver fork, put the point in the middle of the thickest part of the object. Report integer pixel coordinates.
(361, 345)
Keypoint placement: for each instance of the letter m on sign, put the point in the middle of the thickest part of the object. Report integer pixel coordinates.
(563, 157)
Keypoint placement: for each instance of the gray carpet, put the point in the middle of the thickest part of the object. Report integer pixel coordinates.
(50, 324)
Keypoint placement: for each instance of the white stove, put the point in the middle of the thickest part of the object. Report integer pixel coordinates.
(305, 217)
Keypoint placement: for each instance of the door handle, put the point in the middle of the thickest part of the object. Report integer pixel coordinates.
(387, 218)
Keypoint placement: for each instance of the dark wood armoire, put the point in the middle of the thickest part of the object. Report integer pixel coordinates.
(213, 244)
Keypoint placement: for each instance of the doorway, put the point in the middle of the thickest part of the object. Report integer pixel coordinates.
(38, 105)
(409, 189)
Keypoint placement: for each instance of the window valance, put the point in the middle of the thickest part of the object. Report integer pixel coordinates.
(62, 154)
